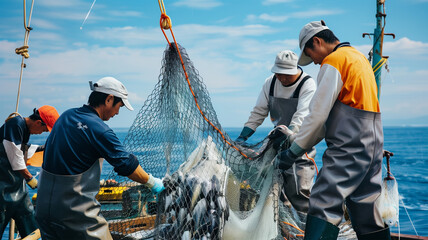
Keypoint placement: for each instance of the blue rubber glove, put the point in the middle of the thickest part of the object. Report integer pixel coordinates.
(155, 184)
(285, 159)
(245, 134)
(158, 187)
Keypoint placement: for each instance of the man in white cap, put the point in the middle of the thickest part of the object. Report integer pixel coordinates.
(70, 179)
(344, 111)
(285, 96)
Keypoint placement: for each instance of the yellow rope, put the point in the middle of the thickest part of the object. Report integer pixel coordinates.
(12, 115)
(23, 51)
(379, 64)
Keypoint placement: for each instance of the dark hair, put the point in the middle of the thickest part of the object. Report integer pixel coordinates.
(327, 35)
(98, 98)
(36, 116)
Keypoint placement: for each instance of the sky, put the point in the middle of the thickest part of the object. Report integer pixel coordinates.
(233, 45)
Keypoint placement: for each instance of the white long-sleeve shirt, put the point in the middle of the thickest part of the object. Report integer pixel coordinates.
(261, 109)
(312, 132)
(345, 75)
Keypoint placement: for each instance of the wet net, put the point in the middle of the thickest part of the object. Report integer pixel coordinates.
(214, 188)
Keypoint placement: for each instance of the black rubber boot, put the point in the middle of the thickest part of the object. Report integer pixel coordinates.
(382, 234)
(317, 229)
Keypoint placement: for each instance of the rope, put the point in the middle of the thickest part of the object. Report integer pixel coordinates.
(165, 23)
(379, 64)
(12, 115)
(404, 206)
(289, 224)
(23, 51)
(313, 160)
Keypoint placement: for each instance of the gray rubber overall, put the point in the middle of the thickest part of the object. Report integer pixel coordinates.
(298, 190)
(14, 202)
(67, 208)
(351, 171)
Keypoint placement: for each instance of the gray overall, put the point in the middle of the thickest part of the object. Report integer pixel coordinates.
(298, 190)
(66, 206)
(14, 198)
(351, 171)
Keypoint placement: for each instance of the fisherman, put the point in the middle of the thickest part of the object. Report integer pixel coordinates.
(14, 152)
(70, 178)
(344, 111)
(286, 95)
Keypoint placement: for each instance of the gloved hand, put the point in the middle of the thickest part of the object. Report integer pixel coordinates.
(285, 159)
(32, 182)
(280, 131)
(245, 134)
(279, 134)
(155, 184)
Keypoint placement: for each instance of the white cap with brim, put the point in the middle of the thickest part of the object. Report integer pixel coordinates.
(307, 32)
(285, 63)
(110, 85)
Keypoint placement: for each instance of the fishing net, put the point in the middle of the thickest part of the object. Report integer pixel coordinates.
(214, 188)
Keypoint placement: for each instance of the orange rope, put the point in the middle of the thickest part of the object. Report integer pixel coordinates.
(165, 23)
(289, 224)
(312, 161)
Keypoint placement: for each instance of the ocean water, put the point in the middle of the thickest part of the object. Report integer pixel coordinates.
(409, 165)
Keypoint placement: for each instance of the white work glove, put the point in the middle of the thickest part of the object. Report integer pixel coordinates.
(281, 133)
(32, 182)
(155, 184)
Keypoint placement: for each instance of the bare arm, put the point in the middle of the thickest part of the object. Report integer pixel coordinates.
(25, 173)
(139, 175)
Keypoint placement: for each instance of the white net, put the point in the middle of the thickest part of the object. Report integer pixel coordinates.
(214, 188)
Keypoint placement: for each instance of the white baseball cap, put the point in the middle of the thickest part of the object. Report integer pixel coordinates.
(111, 85)
(307, 32)
(285, 63)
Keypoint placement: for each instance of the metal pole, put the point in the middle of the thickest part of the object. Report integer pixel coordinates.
(377, 43)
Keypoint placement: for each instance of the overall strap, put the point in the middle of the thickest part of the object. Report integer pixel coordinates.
(272, 85)
(297, 91)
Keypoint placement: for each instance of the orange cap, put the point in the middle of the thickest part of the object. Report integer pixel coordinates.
(49, 115)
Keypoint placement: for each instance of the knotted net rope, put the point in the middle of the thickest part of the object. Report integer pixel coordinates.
(214, 189)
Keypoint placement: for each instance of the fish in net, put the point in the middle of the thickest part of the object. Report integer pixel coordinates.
(215, 189)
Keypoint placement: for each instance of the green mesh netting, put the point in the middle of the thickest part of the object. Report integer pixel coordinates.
(213, 190)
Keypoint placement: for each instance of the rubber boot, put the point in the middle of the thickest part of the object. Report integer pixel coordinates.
(382, 234)
(317, 229)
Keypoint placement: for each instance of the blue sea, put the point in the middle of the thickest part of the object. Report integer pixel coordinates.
(409, 165)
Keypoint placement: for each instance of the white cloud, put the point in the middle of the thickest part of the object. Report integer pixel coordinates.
(270, 18)
(405, 46)
(271, 2)
(285, 17)
(61, 4)
(186, 33)
(124, 14)
(70, 15)
(7, 49)
(316, 13)
(202, 4)
(43, 24)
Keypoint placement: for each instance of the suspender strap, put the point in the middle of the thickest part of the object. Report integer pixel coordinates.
(272, 86)
(297, 91)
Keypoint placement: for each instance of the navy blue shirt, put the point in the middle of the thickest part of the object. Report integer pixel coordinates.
(13, 135)
(15, 130)
(78, 138)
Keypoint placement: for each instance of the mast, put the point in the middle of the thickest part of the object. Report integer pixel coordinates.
(376, 52)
